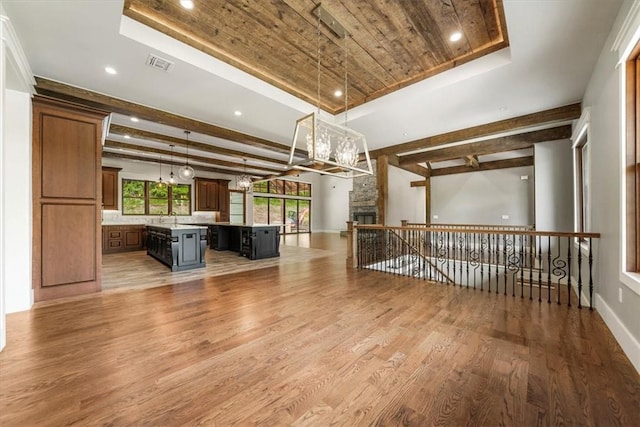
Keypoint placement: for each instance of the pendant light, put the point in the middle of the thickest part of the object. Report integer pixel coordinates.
(160, 182)
(186, 171)
(244, 181)
(172, 179)
(332, 148)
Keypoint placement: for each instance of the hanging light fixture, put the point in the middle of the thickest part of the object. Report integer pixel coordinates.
(186, 171)
(160, 182)
(244, 182)
(319, 136)
(172, 178)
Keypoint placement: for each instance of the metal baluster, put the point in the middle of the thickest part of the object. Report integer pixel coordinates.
(466, 237)
(531, 257)
(579, 276)
(482, 259)
(449, 260)
(454, 240)
(496, 241)
(539, 240)
(569, 271)
(521, 266)
(549, 272)
(505, 260)
(590, 275)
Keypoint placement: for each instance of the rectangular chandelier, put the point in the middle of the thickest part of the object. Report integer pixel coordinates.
(332, 149)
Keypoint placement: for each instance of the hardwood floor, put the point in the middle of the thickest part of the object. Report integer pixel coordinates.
(313, 343)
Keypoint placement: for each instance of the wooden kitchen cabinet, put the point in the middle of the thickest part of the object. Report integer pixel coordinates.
(67, 198)
(207, 198)
(223, 201)
(123, 238)
(110, 188)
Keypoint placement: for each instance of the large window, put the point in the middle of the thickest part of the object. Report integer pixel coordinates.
(632, 162)
(151, 198)
(287, 203)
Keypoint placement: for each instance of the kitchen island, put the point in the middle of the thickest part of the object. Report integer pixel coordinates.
(251, 241)
(180, 247)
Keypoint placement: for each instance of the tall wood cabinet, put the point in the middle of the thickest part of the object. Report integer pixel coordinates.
(66, 198)
(213, 195)
(110, 188)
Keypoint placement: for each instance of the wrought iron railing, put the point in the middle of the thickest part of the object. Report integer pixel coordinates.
(530, 264)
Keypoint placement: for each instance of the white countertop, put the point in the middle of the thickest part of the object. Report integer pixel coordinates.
(177, 226)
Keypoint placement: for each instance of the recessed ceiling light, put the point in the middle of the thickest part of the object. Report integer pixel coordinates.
(127, 137)
(455, 36)
(337, 93)
(187, 4)
(135, 119)
(237, 113)
(110, 70)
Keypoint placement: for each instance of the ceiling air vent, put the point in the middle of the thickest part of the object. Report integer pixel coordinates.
(159, 63)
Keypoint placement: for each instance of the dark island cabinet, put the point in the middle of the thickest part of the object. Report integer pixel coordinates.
(251, 241)
(180, 247)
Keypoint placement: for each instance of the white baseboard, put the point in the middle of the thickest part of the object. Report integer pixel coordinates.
(628, 342)
(3, 338)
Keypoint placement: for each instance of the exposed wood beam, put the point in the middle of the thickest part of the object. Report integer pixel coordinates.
(489, 146)
(216, 162)
(290, 172)
(567, 112)
(120, 106)
(179, 142)
(108, 154)
(413, 168)
(486, 166)
(471, 161)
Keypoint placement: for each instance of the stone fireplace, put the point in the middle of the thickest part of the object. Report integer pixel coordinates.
(363, 197)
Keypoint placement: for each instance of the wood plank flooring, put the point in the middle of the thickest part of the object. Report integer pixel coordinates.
(312, 344)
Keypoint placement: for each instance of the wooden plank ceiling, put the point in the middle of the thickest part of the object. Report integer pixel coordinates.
(393, 43)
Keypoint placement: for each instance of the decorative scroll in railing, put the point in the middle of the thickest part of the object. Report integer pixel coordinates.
(529, 264)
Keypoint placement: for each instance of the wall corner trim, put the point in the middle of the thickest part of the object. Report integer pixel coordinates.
(16, 57)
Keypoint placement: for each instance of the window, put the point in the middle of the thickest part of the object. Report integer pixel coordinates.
(261, 187)
(632, 161)
(150, 198)
(287, 203)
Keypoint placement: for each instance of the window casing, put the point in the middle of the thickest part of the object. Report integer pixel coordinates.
(632, 161)
(151, 198)
(582, 168)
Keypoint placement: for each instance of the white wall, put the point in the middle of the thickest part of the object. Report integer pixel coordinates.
(554, 186)
(16, 85)
(17, 201)
(330, 202)
(606, 144)
(483, 197)
(404, 201)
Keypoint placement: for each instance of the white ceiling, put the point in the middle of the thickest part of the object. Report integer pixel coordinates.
(553, 48)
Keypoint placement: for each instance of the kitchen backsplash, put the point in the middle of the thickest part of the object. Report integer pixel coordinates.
(115, 217)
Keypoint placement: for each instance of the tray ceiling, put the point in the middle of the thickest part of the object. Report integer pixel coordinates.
(393, 43)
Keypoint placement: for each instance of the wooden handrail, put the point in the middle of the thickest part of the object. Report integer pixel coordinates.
(483, 231)
(477, 226)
